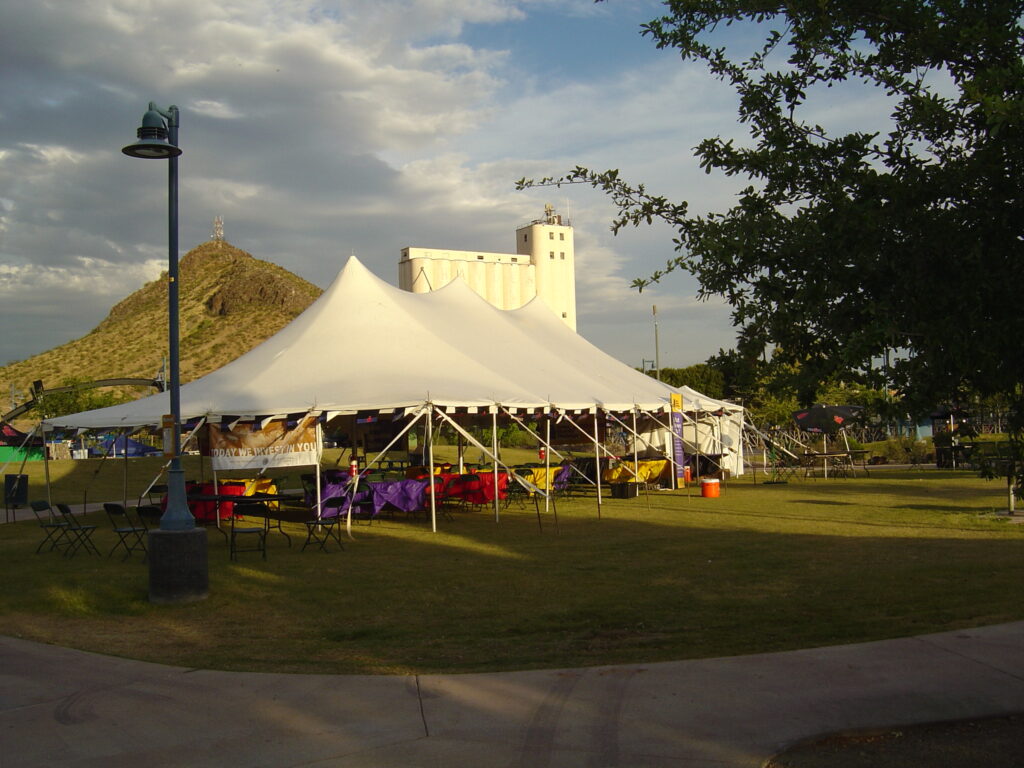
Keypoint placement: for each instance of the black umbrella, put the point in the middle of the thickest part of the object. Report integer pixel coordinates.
(826, 419)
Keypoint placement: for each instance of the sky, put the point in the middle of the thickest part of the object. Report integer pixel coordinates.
(318, 130)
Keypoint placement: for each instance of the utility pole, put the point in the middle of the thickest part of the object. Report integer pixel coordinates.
(657, 355)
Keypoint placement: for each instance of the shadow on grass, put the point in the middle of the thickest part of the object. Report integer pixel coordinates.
(828, 502)
(664, 577)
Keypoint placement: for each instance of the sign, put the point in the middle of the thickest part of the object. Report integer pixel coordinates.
(247, 446)
(167, 426)
(676, 404)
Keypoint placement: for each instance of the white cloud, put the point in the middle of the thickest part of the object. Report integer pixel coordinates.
(321, 128)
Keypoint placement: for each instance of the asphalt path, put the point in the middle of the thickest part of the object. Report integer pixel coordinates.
(61, 707)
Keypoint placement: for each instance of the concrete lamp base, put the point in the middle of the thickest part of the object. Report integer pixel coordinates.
(178, 571)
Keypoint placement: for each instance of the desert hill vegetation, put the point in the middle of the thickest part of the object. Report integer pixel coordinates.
(229, 302)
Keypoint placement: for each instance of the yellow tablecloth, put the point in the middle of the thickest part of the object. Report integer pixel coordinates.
(650, 471)
(542, 477)
(256, 485)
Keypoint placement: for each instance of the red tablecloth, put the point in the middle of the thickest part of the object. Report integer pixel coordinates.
(475, 491)
(206, 511)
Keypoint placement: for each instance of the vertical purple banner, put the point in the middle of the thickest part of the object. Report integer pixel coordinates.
(677, 441)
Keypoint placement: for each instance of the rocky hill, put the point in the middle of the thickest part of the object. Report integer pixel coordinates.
(228, 303)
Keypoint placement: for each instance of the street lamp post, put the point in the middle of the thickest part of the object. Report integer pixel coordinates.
(178, 569)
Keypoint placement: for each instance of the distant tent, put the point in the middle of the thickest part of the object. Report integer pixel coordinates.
(15, 445)
(116, 447)
(11, 436)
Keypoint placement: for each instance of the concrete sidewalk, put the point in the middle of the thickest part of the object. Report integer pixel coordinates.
(69, 708)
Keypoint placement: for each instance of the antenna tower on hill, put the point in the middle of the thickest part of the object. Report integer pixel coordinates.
(218, 230)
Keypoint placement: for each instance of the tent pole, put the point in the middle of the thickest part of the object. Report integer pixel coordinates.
(547, 468)
(124, 488)
(484, 450)
(376, 459)
(46, 471)
(696, 442)
(636, 450)
(681, 434)
(635, 471)
(430, 466)
(494, 447)
(597, 461)
(547, 445)
(319, 456)
(355, 480)
(432, 487)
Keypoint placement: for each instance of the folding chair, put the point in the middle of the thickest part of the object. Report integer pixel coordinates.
(159, 491)
(149, 516)
(321, 530)
(248, 532)
(441, 496)
(362, 501)
(560, 484)
(517, 493)
(54, 530)
(780, 467)
(129, 536)
(472, 491)
(79, 536)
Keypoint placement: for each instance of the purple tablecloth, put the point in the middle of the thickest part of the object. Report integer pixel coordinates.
(404, 495)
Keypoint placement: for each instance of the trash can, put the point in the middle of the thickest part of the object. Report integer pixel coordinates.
(625, 490)
(709, 488)
(15, 494)
(15, 491)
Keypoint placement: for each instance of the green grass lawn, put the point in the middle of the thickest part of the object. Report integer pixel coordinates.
(667, 576)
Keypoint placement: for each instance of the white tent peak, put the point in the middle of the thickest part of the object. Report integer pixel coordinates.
(365, 344)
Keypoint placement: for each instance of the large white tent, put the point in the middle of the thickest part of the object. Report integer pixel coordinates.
(366, 345)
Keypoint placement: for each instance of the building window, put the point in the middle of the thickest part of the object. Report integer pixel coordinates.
(480, 258)
(551, 235)
(561, 235)
(514, 260)
(526, 237)
(565, 314)
(552, 255)
(561, 256)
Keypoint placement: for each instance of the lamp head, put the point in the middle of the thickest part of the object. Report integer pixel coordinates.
(152, 141)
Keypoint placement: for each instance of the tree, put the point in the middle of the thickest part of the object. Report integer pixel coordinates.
(846, 245)
(80, 398)
(701, 377)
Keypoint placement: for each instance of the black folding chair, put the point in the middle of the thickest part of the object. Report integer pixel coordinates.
(240, 532)
(158, 490)
(424, 509)
(362, 504)
(472, 492)
(149, 516)
(321, 530)
(129, 536)
(54, 530)
(79, 536)
(517, 493)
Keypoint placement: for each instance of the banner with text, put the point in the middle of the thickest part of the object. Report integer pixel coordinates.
(676, 404)
(247, 446)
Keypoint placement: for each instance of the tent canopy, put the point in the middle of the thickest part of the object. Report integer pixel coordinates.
(367, 345)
